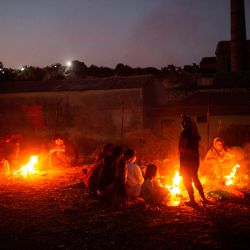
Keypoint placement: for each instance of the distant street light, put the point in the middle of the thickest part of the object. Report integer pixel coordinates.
(69, 64)
(22, 69)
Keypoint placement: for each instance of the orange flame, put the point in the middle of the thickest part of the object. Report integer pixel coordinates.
(175, 190)
(29, 167)
(230, 178)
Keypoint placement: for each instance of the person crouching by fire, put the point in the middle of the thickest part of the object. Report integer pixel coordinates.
(152, 192)
(91, 177)
(108, 175)
(189, 158)
(9, 151)
(218, 160)
(62, 152)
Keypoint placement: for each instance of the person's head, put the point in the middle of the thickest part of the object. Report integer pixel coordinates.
(129, 155)
(117, 151)
(218, 143)
(58, 140)
(151, 171)
(108, 160)
(186, 122)
(108, 149)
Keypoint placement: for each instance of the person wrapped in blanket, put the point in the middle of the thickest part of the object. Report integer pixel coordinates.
(9, 151)
(62, 152)
(218, 161)
(152, 192)
(91, 178)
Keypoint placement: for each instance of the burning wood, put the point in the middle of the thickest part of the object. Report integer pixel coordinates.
(175, 191)
(29, 168)
(229, 184)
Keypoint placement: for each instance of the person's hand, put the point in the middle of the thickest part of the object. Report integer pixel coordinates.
(56, 150)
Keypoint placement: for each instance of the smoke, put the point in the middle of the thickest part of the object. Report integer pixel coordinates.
(179, 32)
(242, 156)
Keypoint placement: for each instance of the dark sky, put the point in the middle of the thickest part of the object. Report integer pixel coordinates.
(106, 32)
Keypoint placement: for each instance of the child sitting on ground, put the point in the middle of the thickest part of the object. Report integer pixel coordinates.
(105, 187)
(152, 193)
(134, 176)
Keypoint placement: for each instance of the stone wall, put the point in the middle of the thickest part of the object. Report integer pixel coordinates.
(88, 118)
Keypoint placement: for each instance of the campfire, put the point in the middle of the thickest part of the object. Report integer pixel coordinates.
(175, 190)
(178, 192)
(29, 168)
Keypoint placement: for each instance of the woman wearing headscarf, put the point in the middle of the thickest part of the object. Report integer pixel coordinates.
(217, 160)
(189, 157)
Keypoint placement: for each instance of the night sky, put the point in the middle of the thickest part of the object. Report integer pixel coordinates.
(106, 32)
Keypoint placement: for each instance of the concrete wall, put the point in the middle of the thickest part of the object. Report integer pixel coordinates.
(88, 118)
(235, 129)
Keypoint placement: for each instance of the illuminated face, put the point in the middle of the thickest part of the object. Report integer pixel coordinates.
(59, 142)
(219, 145)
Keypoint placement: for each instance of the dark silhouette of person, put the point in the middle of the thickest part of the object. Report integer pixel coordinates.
(189, 158)
(91, 178)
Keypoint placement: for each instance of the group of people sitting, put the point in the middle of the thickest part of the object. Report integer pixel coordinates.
(116, 176)
(115, 173)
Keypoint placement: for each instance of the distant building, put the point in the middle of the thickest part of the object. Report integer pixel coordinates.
(222, 62)
(223, 56)
(208, 65)
(234, 55)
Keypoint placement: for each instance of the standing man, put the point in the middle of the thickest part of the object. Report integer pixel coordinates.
(189, 158)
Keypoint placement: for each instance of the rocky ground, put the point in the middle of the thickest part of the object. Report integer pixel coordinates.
(53, 211)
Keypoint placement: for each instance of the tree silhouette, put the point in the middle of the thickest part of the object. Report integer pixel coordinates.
(123, 70)
(55, 71)
(78, 68)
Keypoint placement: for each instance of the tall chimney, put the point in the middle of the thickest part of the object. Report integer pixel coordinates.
(238, 36)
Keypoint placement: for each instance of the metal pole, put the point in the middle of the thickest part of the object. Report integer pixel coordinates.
(208, 121)
(57, 118)
(122, 122)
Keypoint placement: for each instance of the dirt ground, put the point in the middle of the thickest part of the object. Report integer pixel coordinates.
(53, 211)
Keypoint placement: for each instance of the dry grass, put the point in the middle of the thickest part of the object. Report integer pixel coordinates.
(53, 211)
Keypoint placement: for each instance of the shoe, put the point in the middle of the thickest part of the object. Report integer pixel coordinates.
(190, 203)
(206, 202)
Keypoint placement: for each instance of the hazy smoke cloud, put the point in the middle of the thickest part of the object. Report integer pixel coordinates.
(179, 32)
